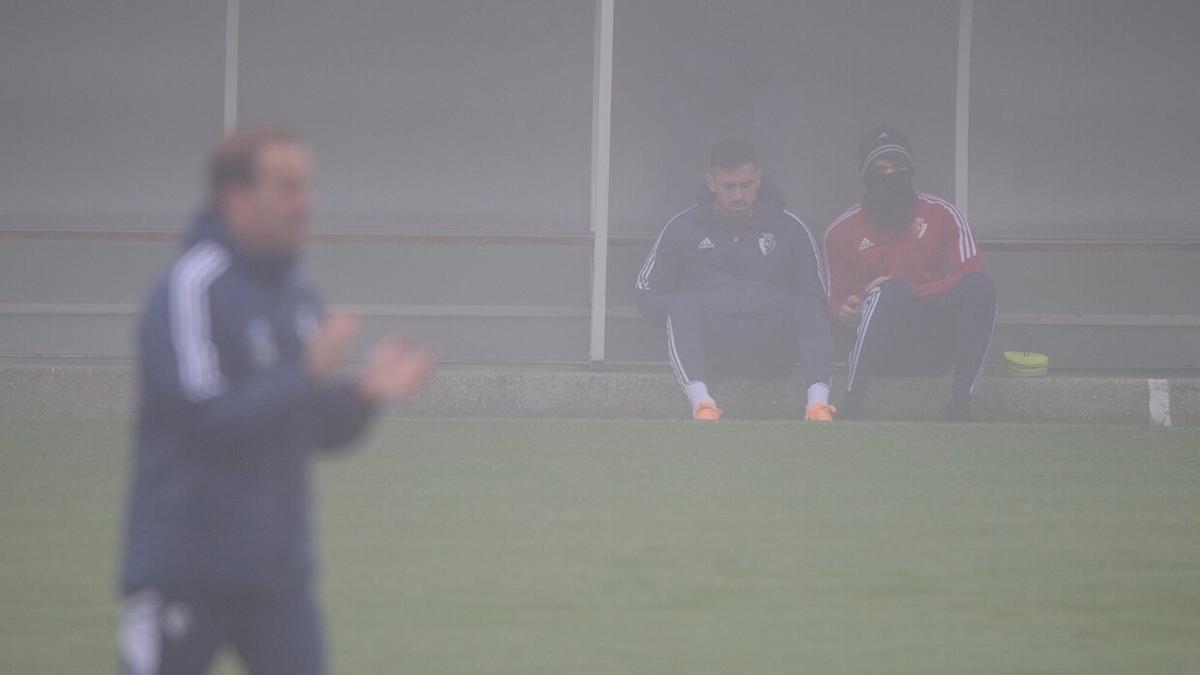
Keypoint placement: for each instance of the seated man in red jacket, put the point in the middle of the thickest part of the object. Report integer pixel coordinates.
(906, 276)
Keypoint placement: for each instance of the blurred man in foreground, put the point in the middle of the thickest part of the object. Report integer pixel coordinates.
(906, 277)
(239, 387)
(736, 279)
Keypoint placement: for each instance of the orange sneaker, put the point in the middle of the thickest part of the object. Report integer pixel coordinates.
(819, 412)
(707, 411)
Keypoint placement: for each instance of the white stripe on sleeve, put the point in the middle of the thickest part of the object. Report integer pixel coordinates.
(817, 257)
(191, 329)
(838, 221)
(967, 247)
(643, 280)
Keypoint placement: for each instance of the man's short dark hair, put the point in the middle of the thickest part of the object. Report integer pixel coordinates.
(234, 163)
(731, 153)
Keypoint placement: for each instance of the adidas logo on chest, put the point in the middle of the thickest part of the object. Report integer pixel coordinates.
(705, 244)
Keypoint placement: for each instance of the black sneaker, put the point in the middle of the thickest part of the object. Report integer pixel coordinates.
(959, 410)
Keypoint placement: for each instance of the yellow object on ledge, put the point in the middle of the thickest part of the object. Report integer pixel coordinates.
(1026, 364)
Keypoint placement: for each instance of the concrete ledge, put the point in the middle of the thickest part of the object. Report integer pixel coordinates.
(83, 391)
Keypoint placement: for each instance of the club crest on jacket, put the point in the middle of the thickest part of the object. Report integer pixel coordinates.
(766, 243)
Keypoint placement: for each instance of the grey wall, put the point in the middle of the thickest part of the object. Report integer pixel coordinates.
(1085, 118)
(466, 115)
(105, 109)
(476, 115)
(802, 80)
(425, 115)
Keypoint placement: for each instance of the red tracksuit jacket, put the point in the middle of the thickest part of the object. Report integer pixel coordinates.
(932, 252)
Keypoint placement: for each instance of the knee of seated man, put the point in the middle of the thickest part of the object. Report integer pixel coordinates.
(976, 287)
(895, 291)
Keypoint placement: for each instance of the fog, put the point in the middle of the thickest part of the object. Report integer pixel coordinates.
(456, 117)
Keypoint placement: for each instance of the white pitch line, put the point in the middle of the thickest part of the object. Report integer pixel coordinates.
(1160, 402)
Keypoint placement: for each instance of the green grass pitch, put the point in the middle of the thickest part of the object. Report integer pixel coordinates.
(560, 546)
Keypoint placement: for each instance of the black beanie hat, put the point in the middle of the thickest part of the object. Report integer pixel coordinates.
(881, 141)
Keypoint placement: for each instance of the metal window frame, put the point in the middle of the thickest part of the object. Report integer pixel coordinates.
(602, 94)
(962, 112)
(233, 11)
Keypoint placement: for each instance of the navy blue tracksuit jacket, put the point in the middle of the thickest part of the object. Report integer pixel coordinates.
(751, 297)
(228, 420)
(776, 256)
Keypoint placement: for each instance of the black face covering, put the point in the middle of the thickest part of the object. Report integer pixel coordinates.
(889, 198)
